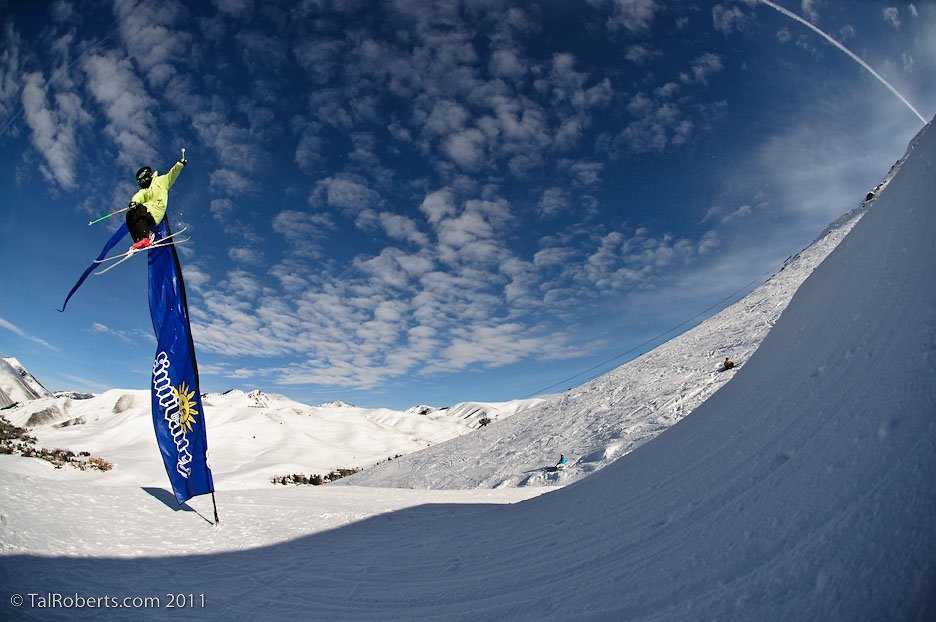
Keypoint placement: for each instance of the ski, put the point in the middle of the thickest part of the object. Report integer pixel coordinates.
(157, 243)
(125, 256)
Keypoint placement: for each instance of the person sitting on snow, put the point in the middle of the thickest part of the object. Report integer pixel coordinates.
(562, 462)
(728, 363)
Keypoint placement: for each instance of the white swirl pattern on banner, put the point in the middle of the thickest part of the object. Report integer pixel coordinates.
(169, 402)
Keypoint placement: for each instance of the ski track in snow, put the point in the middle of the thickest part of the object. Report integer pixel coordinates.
(801, 490)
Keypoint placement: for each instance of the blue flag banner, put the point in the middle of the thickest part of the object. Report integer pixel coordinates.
(178, 414)
(111, 243)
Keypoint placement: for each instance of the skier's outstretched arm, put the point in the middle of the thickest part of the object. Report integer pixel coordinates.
(174, 171)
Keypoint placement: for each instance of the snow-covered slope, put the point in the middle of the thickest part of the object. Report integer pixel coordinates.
(17, 385)
(252, 436)
(802, 490)
(598, 422)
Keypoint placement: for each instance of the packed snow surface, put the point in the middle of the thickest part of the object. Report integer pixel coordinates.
(801, 490)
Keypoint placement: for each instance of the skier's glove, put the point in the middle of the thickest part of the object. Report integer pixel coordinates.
(132, 205)
(183, 161)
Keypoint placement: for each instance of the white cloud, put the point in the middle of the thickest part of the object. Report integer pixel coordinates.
(726, 215)
(466, 148)
(668, 90)
(53, 128)
(906, 61)
(310, 148)
(250, 256)
(490, 346)
(231, 182)
(506, 63)
(464, 301)
(320, 58)
(446, 117)
(811, 9)
(587, 173)
(468, 236)
(632, 15)
(704, 67)
(610, 264)
(816, 171)
(565, 78)
(846, 32)
(438, 205)
(641, 105)
(234, 146)
(394, 267)
(402, 228)
(238, 9)
(709, 242)
(346, 193)
(195, 277)
(891, 16)
(553, 257)
(660, 120)
(125, 102)
(655, 131)
(553, 202)
(12, 61)
(303, 231)
(640, 54)
(150, 35)
(729, 19)
(133, 337)
(21, 333)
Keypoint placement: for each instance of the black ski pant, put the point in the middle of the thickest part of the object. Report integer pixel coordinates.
(139, 221)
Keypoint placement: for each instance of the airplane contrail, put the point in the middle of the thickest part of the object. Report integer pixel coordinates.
(851, 54)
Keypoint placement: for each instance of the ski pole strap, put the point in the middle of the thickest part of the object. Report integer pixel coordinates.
(111, 243)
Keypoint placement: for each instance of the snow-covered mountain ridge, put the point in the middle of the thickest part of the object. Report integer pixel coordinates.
(17, 384)
(610, 416)
(252, 436)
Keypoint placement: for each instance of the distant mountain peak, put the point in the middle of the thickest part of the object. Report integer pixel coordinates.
(337, 404)
(17, 384)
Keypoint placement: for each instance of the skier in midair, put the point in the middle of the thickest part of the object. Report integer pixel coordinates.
(148, 205)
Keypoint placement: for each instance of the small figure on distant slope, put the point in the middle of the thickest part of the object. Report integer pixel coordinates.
(728, 363)
(562, 462)
(148, 205)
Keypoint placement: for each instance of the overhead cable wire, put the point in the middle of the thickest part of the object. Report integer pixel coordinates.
(748, 285)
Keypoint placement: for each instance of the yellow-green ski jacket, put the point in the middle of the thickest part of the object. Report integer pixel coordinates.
(156, 197)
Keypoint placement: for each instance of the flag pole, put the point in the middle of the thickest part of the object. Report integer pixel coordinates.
(215, 505)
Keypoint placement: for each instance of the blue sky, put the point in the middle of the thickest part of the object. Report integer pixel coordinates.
(427, 202)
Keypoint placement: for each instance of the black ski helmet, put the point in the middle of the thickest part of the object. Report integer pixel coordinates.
(144, 177)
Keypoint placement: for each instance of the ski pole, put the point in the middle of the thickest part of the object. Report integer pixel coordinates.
(120, 211)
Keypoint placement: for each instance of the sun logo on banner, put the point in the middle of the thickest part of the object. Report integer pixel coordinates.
(187, 410)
